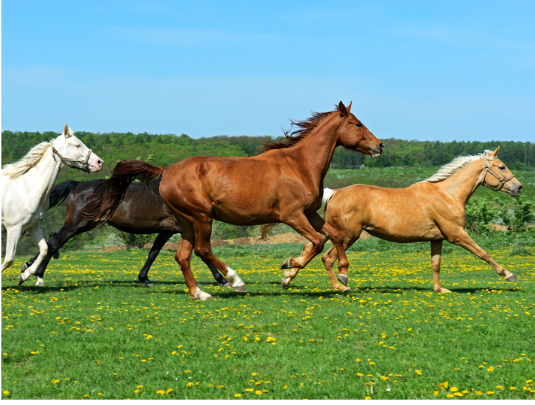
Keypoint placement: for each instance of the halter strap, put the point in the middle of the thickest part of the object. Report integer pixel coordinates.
(501, 179)
(85, 165)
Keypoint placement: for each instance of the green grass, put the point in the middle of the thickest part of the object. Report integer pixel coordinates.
(94, 332)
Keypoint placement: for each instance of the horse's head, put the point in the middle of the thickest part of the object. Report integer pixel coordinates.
(354, 135)
(72, 152)
(499, 177)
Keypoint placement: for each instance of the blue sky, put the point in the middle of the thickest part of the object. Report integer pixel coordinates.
(426, 70)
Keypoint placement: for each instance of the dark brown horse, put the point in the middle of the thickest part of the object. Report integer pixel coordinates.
(140, 212)
(283, 184)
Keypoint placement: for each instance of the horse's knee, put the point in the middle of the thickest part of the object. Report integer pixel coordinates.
(202, 251)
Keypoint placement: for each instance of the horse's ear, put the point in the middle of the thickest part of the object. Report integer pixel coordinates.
(342, 110)
(495, 153)
(349, 106)
(66, 131)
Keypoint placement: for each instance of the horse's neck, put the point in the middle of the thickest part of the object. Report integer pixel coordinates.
(42, 176)
(465, 182)
(315, 152)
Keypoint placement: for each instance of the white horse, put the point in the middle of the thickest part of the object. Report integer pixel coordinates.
(25, 187)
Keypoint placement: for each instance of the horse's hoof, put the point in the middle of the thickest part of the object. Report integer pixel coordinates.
(240, 288)
(342, 278)
(24, 267)
(149, 284)
(227, 284)
(512, 277)
(344, 289)
(40, 283)
(286, 264)
(201, 295)
(284, 283)
(21, 279)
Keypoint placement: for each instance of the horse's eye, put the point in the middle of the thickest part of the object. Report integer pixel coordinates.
(78, 146)
(502, 167)
(358, 124)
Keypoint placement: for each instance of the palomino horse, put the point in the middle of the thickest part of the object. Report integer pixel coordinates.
(283, 184)
(431, 210)
(140, 212)
(26, 185)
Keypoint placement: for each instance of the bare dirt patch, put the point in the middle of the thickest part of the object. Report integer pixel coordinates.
(271, 240)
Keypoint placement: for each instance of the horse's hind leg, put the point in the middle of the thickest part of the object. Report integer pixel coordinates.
(436, 250)
(183, 258)
(331, 255)
(203, 249)
(37, 234)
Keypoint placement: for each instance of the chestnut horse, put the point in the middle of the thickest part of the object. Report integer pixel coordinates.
(282, 184)
(431, 210)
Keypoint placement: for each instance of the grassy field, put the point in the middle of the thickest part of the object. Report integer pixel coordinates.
(94, 332)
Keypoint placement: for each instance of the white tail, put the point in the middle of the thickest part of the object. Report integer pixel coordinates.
(327, 195)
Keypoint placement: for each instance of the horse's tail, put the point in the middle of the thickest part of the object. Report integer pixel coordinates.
(60, 192)
(265, 229)
(122, 176)
(327, 195)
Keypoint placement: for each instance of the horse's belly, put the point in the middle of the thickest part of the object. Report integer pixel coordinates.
(406, 234)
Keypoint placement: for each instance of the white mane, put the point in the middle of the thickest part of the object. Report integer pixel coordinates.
(454, 166)
(14, 170)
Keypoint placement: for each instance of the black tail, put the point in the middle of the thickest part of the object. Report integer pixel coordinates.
(115, 187)
(60, 192)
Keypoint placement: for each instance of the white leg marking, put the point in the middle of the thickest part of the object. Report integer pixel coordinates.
(40, 282)
(201, 295)
(233, 278)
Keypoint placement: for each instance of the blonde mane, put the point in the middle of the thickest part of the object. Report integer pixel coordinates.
(17, 169)
(454, 166)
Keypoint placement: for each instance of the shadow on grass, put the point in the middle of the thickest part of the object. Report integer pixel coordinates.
(294, 289)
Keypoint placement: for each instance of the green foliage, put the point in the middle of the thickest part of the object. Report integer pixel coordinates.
(479, 213)
(404, 163)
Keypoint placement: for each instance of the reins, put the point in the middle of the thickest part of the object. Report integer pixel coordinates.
(502, 180)
(85, 165)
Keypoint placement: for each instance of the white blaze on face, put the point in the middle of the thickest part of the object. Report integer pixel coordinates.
(233, 278)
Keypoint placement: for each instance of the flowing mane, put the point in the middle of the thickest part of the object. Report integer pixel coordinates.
(305, 127)
(17, 169)
(454, 166)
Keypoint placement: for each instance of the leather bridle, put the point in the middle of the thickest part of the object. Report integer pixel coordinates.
(66, 161)
(501, 179)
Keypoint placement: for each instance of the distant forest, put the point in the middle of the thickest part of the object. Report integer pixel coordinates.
(164, 150)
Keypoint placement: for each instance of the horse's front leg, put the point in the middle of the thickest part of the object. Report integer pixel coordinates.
(461, 238)
(290, 274)
(436, 250)
(13, 237)
(37, 234)
(161, 239)
(310, 230)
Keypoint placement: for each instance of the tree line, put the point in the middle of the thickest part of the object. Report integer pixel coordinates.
(404, 162)
(168, 149)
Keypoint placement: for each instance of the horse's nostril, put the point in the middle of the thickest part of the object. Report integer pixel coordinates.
(381, 146)
(520, 189)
